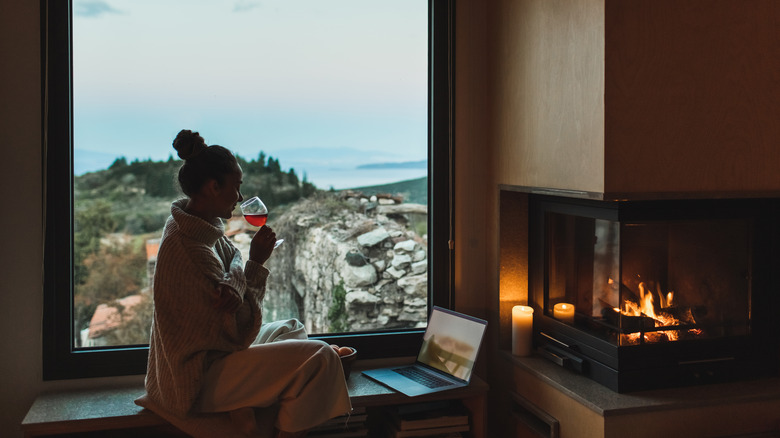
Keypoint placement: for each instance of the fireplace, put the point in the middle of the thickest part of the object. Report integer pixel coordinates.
(650, 294)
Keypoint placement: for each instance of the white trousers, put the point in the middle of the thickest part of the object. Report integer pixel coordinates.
(302, 378)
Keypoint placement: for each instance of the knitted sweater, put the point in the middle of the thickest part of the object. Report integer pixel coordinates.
(195, 263)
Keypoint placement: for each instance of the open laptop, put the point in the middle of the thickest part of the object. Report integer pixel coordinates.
(445, 360)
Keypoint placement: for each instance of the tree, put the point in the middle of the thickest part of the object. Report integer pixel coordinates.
(292, 178)
(159, 181)
(307, 188)
(261, 161)
(91, 223)
(118, 163)
(273, 166)
(116, 270)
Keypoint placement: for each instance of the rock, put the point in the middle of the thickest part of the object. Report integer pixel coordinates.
(414, 285)
(389, 312)
(360, 298)
(380, 265)
(359, 276)
(420, 267)
(406, 246)
(414, 310)
(403, 209)
(373, 237)
(401, 261)
(392, 272)
(355, 258)
(307, 221)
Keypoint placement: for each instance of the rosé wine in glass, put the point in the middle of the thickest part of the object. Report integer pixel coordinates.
(256, 213)
(257, 220)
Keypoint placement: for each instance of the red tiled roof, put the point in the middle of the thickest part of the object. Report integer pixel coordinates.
(106, 317)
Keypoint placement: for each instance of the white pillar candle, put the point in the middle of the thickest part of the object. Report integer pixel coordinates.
(564, 312)
(522, 330)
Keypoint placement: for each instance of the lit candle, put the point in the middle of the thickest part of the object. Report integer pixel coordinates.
(564, 312)
(522, 329)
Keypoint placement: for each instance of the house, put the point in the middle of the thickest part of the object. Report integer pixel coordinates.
(538, 103)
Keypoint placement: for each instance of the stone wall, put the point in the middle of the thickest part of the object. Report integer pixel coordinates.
(347, 264)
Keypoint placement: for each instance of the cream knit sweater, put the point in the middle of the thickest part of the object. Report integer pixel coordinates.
(195, 263)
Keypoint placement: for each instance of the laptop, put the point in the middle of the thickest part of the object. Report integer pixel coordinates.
(445, 360)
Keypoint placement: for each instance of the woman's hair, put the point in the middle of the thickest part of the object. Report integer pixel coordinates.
(201, 162)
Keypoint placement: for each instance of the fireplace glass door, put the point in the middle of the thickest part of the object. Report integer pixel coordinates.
(641, 282)
(656, 293)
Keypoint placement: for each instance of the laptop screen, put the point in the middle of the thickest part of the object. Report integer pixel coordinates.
(451, 342)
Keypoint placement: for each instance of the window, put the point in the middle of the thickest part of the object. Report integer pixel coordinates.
(66, 354)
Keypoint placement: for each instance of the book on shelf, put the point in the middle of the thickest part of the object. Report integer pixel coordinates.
(428, 415)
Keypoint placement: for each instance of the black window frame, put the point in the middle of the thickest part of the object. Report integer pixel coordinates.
(60, 359)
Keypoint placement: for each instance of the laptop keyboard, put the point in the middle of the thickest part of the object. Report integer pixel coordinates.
(422, 378)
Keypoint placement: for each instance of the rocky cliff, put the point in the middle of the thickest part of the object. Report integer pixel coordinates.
(348, 263)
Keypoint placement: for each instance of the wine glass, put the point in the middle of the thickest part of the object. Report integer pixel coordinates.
(256, 213)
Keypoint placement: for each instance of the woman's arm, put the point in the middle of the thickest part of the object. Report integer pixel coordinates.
(243, 290)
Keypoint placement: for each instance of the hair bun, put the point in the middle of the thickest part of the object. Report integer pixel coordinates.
(188, 144)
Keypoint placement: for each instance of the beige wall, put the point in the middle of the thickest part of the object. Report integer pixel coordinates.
(529, 112)
(547, 92)
(21, 296)
(20, 187)
(692, 96)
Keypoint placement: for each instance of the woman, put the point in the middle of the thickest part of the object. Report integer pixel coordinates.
(202, 364)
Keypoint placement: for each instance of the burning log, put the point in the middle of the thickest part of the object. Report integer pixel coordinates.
(628, 323)
(686, 314)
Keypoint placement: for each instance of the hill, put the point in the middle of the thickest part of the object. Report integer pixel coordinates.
(413, 190)
(138, 193)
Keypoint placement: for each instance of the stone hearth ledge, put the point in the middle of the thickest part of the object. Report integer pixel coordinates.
(606, 402)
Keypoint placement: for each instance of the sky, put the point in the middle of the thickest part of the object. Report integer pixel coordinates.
(324, 86)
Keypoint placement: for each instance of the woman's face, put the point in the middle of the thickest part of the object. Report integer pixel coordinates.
(229, 194)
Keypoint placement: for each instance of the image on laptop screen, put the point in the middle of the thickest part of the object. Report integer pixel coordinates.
(451, 344)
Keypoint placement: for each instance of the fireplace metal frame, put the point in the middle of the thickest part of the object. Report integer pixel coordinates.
(675, 363)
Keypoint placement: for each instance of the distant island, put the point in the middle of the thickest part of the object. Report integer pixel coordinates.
(402, 165)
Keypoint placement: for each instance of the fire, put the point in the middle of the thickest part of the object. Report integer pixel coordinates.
(645, 307)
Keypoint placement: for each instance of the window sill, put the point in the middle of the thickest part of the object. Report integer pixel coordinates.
(113, 408)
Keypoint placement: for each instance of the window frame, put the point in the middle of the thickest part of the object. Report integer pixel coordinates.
(60, 359)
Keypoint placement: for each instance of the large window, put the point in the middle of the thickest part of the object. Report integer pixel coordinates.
(339, 113)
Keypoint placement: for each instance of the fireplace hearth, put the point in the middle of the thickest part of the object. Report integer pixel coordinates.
(664, 293)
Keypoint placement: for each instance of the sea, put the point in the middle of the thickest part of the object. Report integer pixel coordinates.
(332, 174)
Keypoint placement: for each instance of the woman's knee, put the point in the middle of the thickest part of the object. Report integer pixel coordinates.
(323, 352)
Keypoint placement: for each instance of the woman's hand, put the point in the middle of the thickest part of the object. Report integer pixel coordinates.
(262, 244)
